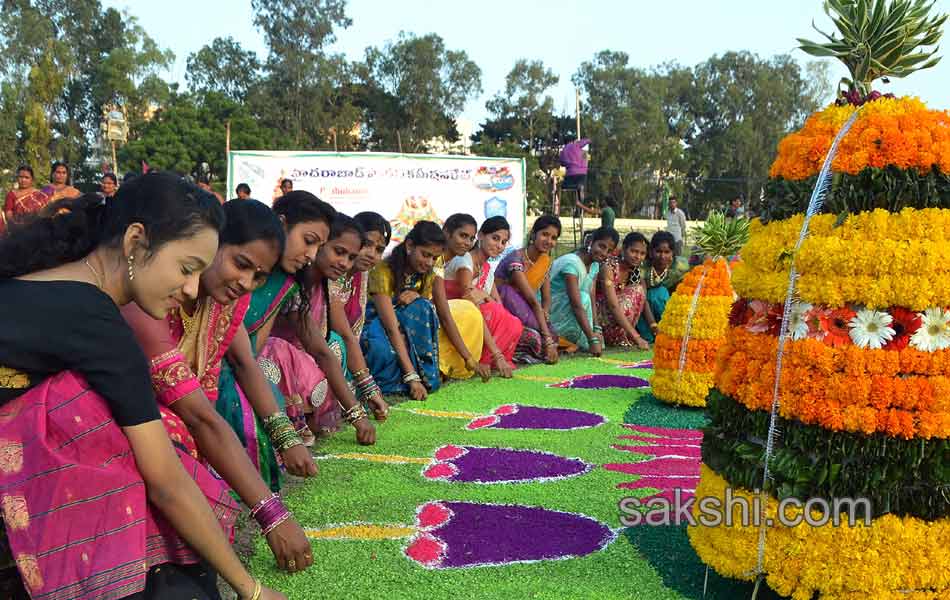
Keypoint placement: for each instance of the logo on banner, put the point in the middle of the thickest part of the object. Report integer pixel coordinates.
(496, 207)
(493, 179)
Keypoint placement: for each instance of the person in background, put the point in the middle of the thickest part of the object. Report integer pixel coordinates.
(735, 210)
(608, 213)
(205, 184)
(22, 200)
(59, 187)
(676, 225)
(243, 191)
(108, 185)
(286, 186)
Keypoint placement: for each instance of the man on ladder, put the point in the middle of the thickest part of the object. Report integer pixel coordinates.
(574, 157)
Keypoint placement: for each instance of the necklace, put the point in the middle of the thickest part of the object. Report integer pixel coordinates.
(658, 277)
(633, 276)
(94, 272)
(188, 322)
(528, 263)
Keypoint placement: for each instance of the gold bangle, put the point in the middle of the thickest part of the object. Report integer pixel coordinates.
(258, 589)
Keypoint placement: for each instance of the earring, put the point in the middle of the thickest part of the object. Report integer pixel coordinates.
(131, 269)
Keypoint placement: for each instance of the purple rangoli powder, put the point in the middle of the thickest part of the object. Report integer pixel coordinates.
(467, 534)
(470, 464)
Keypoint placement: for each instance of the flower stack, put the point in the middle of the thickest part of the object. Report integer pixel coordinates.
(686, 376)
(864, 391)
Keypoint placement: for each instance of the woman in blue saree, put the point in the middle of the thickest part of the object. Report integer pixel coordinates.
(401, 337)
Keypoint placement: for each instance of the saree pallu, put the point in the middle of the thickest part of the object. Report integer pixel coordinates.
(656, 298)
(23, 204)
(419, 326)
(352, 292)
(301, 380)
(471, 326)
(76, 511)
(562, 312)
(504, 327)
(231, 402)
(530, 346)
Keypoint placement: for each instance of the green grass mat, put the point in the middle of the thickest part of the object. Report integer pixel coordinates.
(348, 491)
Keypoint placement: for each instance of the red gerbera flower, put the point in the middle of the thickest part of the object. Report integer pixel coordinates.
(739, 313)
(835, 325)
(905, 323)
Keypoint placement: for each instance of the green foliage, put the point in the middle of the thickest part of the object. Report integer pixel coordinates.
(189, 131)
(523, 104)
(415, 87)
(879, 39)
(904, 477)
(224, 67)
(890, 188)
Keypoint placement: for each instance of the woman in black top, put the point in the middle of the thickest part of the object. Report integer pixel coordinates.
(79, 424)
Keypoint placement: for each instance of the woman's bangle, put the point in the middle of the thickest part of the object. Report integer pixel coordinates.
(269, 513)
(283, 436)
(258, 590)
(361, 373)
(354, 413)
(410, 377)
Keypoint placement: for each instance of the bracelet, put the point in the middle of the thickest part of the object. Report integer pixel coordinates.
(354, 413)
(361, 373)
(267, 499)
(282, 433)
(276, 524)
(258, 590)
(410, 377)
(598, 329)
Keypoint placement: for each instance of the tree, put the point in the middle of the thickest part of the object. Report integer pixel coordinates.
(297, 96)
(190, 131)
(223, 67)
(415, 89)
(634, 147)
(523, 103)
(740, 106)
(76, 58)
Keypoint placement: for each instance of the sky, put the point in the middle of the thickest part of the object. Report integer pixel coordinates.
(561, 33)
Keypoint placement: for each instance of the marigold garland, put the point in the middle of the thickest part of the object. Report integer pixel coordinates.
(687, 388)
(709, 320)
(700, 355)
(706, 333)
(901, 393)
(876, 259)
(892, 556)
(889, 131)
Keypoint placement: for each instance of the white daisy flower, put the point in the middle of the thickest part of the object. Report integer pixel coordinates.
(871, 328)
(934, 332)
(798, 320)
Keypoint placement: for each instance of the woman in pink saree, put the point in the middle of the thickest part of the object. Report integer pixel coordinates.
(621, 294)
(95, 498)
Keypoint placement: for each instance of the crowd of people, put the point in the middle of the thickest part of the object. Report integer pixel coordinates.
(161, 350)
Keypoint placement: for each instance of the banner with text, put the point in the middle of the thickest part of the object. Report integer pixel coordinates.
(404, 188)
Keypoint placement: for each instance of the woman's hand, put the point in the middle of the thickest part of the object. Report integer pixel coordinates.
(654, 327)
(269, 594)
(550, 352)
(380, 408)
(596, 346)
(504, 369)
(365, 432)
(299, 461)
(484, 371)
(641, 343)
(290, 546)
(417, 391)
(477, 296)
(407, 297)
